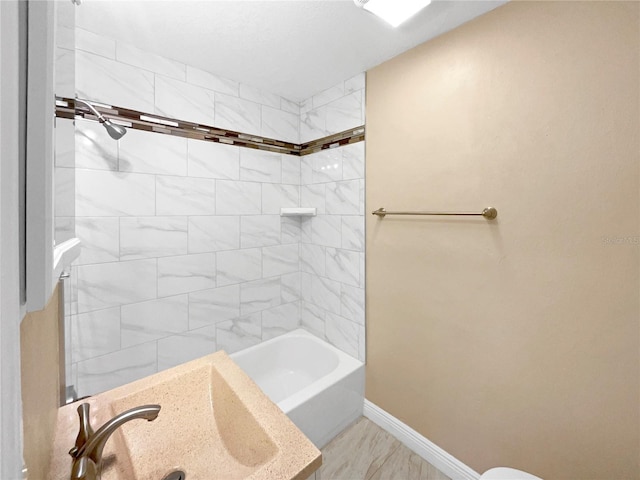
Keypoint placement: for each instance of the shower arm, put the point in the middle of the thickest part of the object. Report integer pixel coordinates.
(93, 110)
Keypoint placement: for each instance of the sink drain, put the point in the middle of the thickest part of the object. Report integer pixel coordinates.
(177, 475)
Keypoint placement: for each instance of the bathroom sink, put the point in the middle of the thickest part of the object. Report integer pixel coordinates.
(215, 423)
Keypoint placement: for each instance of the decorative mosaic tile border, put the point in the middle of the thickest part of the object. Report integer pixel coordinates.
(67, 108)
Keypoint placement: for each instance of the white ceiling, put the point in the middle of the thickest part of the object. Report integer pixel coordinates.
(295, 48)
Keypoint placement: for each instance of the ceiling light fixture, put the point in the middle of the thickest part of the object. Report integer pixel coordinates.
(394, 12)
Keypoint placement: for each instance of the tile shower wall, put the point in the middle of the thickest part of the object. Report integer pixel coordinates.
(184, 251)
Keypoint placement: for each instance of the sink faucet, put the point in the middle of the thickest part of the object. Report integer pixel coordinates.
(87, 453)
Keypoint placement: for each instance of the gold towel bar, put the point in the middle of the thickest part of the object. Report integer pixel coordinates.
(489, 213)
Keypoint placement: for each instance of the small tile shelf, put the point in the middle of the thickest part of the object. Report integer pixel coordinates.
(298, 212)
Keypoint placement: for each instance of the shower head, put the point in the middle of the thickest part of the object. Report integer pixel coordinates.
(115, 131)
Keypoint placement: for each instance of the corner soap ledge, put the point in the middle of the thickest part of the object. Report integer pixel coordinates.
(298, 212)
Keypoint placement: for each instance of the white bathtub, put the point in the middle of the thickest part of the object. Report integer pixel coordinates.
(320, 388)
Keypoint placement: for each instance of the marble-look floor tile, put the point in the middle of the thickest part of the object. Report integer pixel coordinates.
(403, 464)
(147, 321)
(357, 453)
(186, 346)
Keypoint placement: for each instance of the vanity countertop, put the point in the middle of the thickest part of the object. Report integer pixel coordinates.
(215, 423)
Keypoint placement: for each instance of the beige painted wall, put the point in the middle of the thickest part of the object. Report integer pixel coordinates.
(40, 365)
(513, 342)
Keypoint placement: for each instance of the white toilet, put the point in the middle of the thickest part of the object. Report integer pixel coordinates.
(504, 473)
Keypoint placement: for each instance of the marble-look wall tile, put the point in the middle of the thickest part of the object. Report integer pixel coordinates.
(291, 169)
(147, 321)
(279, 320)
(213, 160)
(95, 333)
(186, 346)
(353, 161)
(64, 180)
(183, 101)
(313, 124)
(94, 148)
(99, 237)
(64, 72)
(290, 287)
(276, 196)
(236, 266)
(345, 113)
(131, 55)
(148, 152)
(260, 166)
(357, 82)
(353, 232)
(64, 229)
(238, 334)
(211, 81)
(254, 94)
(289, 106)
(114, 284)
(186, 273)
(314, 196)
(329, 95)
(118, 368)
(148, 237)
(107, 81)
(234, 113)
(327, 230)
(313, 259)
(93, 43)
(238, 198)
(343, 198)
(343, 334)
(213, 233)
(280, 125)
(306, 170)
(327, 166)
(325, 292)
(65, 148)
(260, 295)
(280, 260)
(215, 305)
(109, 194)
(185, 196)
(259, 230)
(352, 304)
(312, 319)
(290, 230)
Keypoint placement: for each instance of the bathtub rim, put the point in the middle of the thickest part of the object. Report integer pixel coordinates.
(346, 365)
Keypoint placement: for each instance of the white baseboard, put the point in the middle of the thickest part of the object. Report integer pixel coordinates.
(443, 461)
